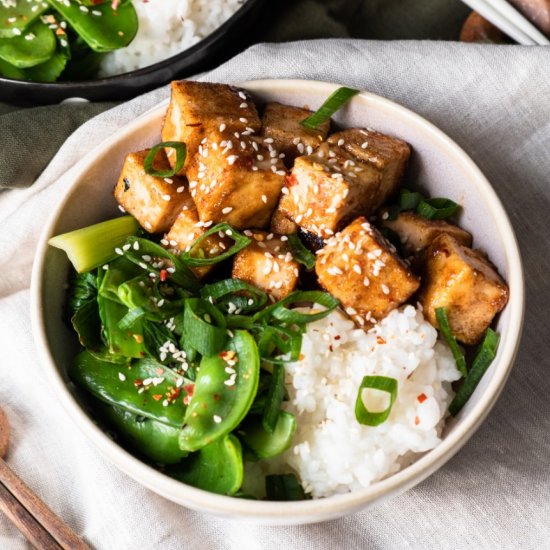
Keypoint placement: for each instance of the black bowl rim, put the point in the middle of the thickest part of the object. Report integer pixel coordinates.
(78, 84)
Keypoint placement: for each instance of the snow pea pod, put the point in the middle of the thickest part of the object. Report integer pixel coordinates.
(8, 70)
(153, 439)
(145, 387)
(264, 444)
(19, 16)
(221, 400)
(103, 28)
(22, 52)
(217, 467)
(51, 70)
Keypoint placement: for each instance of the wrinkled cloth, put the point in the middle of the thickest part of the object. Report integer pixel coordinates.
(494, 493)
(29, 138)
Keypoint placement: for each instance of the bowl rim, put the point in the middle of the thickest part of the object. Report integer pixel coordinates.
(217, 33)
(310, 510)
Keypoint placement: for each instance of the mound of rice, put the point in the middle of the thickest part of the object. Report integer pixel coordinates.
(331, 452)
(167, 27)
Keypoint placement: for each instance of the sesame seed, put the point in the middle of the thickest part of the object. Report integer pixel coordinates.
(223, 126)
(227, 209)
(242, 95)
(366, 281)
(119, 251)
(385, 289)
(217, 419)
(243, 105)
(243, 120)
(341, 142)
(121, 377)
(264, 199)
(166, 197)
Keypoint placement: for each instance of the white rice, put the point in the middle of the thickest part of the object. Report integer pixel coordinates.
(167, 27)
(331, 452)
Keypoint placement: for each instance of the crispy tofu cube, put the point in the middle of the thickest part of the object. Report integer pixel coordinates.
(416, 232)
(387, 154)
(237, 181)
(268, 264)
(281, 123)
(154, 202)
(197, 108)
(187, 229)
(464, 282)
(327, 189)
(360, 268)
(281, 224)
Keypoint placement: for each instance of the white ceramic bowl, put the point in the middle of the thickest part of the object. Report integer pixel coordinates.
(438, 165)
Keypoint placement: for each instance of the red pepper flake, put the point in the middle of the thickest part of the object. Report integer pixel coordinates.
(115, 4)
(138, 383)
(291, 180)
(159, 371)
(380, 340)
(190, 388)
(216, 397)
(422, 397)
(330, 347)
(416, 420)
(301, 357)
(163, 275)
(157, 396)
(337, 337)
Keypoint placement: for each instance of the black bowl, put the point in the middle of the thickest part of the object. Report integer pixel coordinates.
(219, 46)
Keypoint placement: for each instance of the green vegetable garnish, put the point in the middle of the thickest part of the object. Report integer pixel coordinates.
(268, 444)
(382, 383)
(334, 103)
(484, 357)
(437, 208)
(14, 19)
(22, 52)
(204, 327)
(181, 154)
(409, 200)
(445, 329)
(95, 245)
(283, 488)
(300, 253)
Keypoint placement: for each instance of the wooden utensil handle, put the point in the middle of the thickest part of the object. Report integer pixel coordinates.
(22, 519)
(59, 531)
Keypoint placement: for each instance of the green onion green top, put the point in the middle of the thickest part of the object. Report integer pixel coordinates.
(334, 103)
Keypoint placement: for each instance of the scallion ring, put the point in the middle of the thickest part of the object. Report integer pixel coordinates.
(334, 103)
(224, 230)
(283, 313)
(437, 208)
(250, 298)
(409, 200)
(382, 383)
(445, 329)
(300, 253)
(181, 155)
(204, 327)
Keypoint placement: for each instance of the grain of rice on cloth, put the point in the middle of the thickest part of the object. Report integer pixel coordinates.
(166, 28)
(331, 452)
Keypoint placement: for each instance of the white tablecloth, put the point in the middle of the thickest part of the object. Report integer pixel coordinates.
(494, 101)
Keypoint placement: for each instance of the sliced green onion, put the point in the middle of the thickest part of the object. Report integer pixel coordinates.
(268, 444)
(382, 383)
(286, 341)
(275, 397)
(130, 318)
(181, 155)
(283, 313)
(240, 242)
(181, 275)
(198, 329)
(437, 208)
(283, 487)
(409, 200)
(94, 246)
(482, 360)
(334, 103)
(445, 329)
(300, 253)
(251, 298)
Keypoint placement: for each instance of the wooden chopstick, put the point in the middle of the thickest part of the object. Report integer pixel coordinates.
(25, 522)
(44, 517)
(509, 20)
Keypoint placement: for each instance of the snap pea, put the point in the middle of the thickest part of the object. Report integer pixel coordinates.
(264, 444)
(217, 408)
(153, 439)
(217, 467)
(8, 70)
(19, 16)
(144, 388)
(22, 52)
(51, 70)
(111, 30)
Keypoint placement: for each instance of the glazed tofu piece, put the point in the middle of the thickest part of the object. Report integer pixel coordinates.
(464, 282)
(268, 264)
(281, 123)
(416, 232)
(386, 154)
(360, 268)
(281, 224)
(237, 181)
(187, 229)
(327, 189)
(154, 202)
(198, 108)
